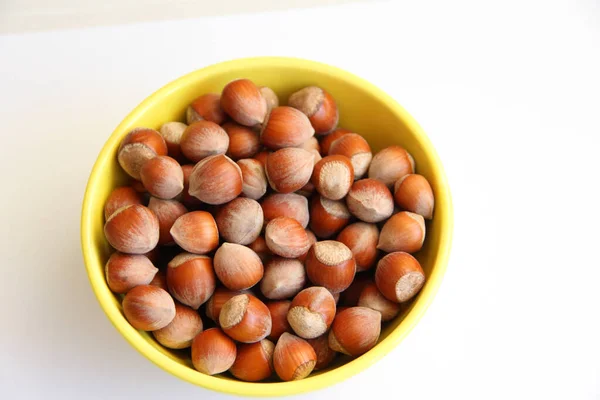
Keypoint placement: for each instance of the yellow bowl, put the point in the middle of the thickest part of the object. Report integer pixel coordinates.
(364, 109)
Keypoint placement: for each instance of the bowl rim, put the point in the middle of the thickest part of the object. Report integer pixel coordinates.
(443, 199)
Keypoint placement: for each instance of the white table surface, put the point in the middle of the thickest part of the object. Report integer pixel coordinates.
(510, 96)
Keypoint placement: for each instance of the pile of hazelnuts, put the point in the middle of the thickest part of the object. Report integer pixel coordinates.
(259, 229)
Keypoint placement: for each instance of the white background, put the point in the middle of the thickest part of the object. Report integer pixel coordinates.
(509, 94)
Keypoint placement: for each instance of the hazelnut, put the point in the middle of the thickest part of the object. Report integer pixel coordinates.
(270, 97)
(172, 133)
(254, 180)
(356, 148)
(413, 193)
(259, 246)
(289, 205)
(327, 217)
(162, 176)
(245, 319)
(318, 106)
(202, 139)
(324, 354)
(216, 301)
(328, 140)
(237, 267)
(213, 352)
(206, 107)
(160, 280)
(312, 240)
(285, 127)
(167, 212)
(286, 237)
(148, 308)
(391, 164)
(307, 190)
(293, 358)
(196, 232)
(244, 103)
(350, 296)
(355, 331)
(138, 187)
(312, 144)
(370, 200)
(243, 141)
(279, 322)
(121, 197)
(330, 264)
(191, 279)
(404, 231)
(254, 361)
(289, 169)
(333, 177)
(261, 156)
(139, 146)
(399, 276)
(284, 278)
(186, 198)
(132, 229)
(361, 238)
(216, 180)
(240, 221)
(181, 330)
(372, 298)
(126, 271)
(311, 312)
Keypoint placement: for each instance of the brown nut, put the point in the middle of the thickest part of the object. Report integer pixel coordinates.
(206, 107)
(293, 358)
(370, 200)
(312, 239)
(327, 217)
(216, 180)
(261, 157)
(172, 133)
(330, 264)
(162, 176)
(311, 312)
(289, 205)
(372, 298)
(285, 127)
(167, 212)
(319, 107)
(213, 352)
(324, 354)
(307, 190)
(243, 102)
(355, 331)
(139, 146)
(132, 229)
(279, 322)
(259, 246)
(286, 237)
(350, 296)
(186, 198)
(413, 193)
(399, 276)
(254, 361)
(289, 169)
(191, 279)
(243, 141)
(215, 303)
(196, 232)
(203, 139)
(240, 221)
(160, 280)
(180, 332)
(121, 197)
(328, 140)
(245, 319)
(356, 148)
(391, 164)
(361, 238)
(126, 271)
(237, 266)
(148, 308)
(312, 144)
(270, 97)
(283, 279)
(404, 231)
(254, 179)
(333, 177)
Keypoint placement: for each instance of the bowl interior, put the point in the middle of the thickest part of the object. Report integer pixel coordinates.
(363, 108)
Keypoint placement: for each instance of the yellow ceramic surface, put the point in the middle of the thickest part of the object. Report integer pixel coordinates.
(364, 109)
